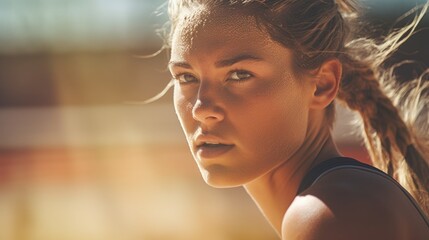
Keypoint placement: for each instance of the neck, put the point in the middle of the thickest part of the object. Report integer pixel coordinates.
(275, 191)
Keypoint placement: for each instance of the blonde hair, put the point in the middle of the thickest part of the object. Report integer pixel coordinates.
(391, 113)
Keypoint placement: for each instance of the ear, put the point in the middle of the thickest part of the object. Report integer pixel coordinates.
(327, 83)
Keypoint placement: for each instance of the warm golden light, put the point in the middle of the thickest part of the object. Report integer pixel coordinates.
(77, 161)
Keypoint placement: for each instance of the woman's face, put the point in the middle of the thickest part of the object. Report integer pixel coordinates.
(241, 107)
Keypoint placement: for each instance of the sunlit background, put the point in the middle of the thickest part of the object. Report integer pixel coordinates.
(78, 161)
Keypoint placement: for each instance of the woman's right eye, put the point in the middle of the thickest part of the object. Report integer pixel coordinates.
(185, 78)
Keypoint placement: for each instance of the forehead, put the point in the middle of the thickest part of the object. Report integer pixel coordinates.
(218, 31)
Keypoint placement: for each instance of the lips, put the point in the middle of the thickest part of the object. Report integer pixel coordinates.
(209, 140)
(210, 146)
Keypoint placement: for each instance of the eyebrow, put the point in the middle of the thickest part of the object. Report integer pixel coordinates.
(221, 63)
(236, 59)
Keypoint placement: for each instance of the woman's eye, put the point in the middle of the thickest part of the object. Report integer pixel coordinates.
(185, 78)
(240, 75)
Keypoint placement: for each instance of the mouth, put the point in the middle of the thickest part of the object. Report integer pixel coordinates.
(212, 144)
(212, 148)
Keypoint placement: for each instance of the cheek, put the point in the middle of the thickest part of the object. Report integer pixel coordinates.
(183, 109)
(275, 126)
(278, 124)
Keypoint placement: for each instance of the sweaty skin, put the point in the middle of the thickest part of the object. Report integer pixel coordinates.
(236, 86)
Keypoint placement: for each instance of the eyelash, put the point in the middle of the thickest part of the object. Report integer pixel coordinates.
(177, 78)
(237, 71)
(240, 71)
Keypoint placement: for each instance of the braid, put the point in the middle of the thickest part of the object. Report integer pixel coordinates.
(360, 90)
(390, 113)
(393, 146)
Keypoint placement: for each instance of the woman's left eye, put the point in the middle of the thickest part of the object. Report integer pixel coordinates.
(239, 75)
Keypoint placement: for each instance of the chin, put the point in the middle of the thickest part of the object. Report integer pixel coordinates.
(218, 176)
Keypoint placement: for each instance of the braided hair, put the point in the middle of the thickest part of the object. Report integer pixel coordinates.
(390, 112)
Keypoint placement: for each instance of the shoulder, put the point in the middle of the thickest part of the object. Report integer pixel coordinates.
(346, 204)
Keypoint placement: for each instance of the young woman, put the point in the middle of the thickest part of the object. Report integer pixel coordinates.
(254, 89)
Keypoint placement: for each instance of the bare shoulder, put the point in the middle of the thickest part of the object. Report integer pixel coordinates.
(352, 204)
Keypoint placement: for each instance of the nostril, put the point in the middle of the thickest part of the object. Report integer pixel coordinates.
(206, 111)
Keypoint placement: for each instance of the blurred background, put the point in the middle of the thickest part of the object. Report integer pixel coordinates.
(77, 161)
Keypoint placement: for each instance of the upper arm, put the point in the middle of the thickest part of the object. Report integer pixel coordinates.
(309, 218)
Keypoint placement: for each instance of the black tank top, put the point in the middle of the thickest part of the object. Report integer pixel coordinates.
(344, 162)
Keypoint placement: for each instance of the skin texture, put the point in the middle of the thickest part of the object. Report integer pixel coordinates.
(234, 83)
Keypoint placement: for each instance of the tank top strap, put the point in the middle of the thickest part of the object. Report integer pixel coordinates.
(327, 165)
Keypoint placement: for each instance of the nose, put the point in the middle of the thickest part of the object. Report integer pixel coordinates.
(206, 108)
